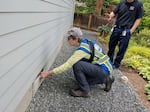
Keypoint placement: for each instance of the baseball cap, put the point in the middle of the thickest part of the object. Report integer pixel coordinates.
(75, 32)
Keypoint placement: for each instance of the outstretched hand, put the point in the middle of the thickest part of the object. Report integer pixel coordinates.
(108, 16)
(45, 74)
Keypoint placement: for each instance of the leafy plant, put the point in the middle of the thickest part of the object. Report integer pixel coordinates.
(143, 38)
(147, 8)
(139, 59)
(147, 89)
(136, 61)
(145, 71)
(144, 24)
(115, 2)
(104, 30)
(132, 43)
(136, 50)
(90, 7)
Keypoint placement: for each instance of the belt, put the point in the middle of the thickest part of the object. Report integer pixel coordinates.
(122, 27)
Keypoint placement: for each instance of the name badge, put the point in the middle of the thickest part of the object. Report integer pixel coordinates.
(131, 8)
(124, 33)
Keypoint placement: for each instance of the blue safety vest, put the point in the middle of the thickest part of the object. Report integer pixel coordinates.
(100, 57)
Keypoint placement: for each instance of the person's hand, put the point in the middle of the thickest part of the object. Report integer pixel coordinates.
(45, 74)
(131, 31)
(108, 16)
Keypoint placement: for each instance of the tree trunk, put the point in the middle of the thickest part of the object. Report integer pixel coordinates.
(99, 4)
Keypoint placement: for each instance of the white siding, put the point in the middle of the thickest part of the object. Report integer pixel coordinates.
(31, 31)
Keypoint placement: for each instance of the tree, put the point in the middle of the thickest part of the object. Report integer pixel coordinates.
(90, 6)
(99, 4)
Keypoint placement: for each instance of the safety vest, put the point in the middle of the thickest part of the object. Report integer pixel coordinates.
(100, 57)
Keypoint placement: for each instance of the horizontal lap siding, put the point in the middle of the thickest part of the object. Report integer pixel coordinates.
(31, 32)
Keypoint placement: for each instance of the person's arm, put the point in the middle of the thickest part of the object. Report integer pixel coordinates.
(135, 25)
(114, 12)
(78, 55)
(139, 15)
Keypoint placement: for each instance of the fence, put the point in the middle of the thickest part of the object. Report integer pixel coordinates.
(91, 22)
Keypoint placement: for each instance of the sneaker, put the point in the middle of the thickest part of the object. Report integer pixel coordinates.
(110, 80)
(79, 93)
(115, 67)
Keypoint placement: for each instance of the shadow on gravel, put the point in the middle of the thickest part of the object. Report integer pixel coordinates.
(53, 96)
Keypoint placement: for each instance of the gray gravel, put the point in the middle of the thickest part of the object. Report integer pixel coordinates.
(53, 96)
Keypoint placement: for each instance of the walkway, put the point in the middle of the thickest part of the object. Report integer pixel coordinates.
(52, 95)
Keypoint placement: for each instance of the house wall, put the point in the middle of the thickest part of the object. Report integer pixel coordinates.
(31, 34)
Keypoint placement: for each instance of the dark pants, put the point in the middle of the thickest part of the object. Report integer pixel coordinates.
(88, 74)
(117, 38)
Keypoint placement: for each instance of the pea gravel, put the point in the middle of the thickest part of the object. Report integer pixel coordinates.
(52, 96)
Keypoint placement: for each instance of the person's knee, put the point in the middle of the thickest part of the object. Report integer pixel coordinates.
(78, 65)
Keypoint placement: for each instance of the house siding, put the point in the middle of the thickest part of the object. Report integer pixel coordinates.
(31, 34)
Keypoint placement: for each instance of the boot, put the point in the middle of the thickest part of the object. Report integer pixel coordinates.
(79, 93)
(110, 80)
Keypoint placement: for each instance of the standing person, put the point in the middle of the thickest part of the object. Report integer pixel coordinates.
(129, 14)
(90, 65)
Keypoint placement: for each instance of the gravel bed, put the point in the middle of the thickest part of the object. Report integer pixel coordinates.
(52, 96)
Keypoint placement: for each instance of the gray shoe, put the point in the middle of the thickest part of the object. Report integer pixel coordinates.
(79, 93)
(110, 80)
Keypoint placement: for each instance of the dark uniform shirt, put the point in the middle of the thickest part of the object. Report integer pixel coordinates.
(127, 13)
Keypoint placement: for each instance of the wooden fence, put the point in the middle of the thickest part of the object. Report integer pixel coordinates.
(91, 22)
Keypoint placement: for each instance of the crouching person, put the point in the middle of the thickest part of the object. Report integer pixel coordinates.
(90, 64)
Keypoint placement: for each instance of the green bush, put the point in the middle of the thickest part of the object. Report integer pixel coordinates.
(145, 23)
(147, 89)
(145, 71)
(132, 42)
(138, 58)
(115, 2)
(88, 9)
(136, 61)
(104, 30)
(147, 9)
(143, 38)
(136, 50)
(103, 40)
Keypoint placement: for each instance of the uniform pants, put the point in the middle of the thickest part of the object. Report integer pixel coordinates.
(88, 74)
(118, 38)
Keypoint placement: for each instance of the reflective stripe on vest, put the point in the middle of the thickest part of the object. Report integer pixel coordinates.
(102, 60)
(99, 58)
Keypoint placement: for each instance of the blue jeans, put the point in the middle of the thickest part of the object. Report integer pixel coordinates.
(88, 74)
(118, 38)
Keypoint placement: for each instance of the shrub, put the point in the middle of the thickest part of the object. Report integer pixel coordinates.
(138, 58)
(115, 2)
(136, 61)
(104, 30)
(104, 40)
(147, 8)
(145, 23)
(143, 38)
(132, 42)
(136, 50)
(147, 89)
(145, 71)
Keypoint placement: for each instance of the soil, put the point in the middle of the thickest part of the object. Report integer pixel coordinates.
(135, 80)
